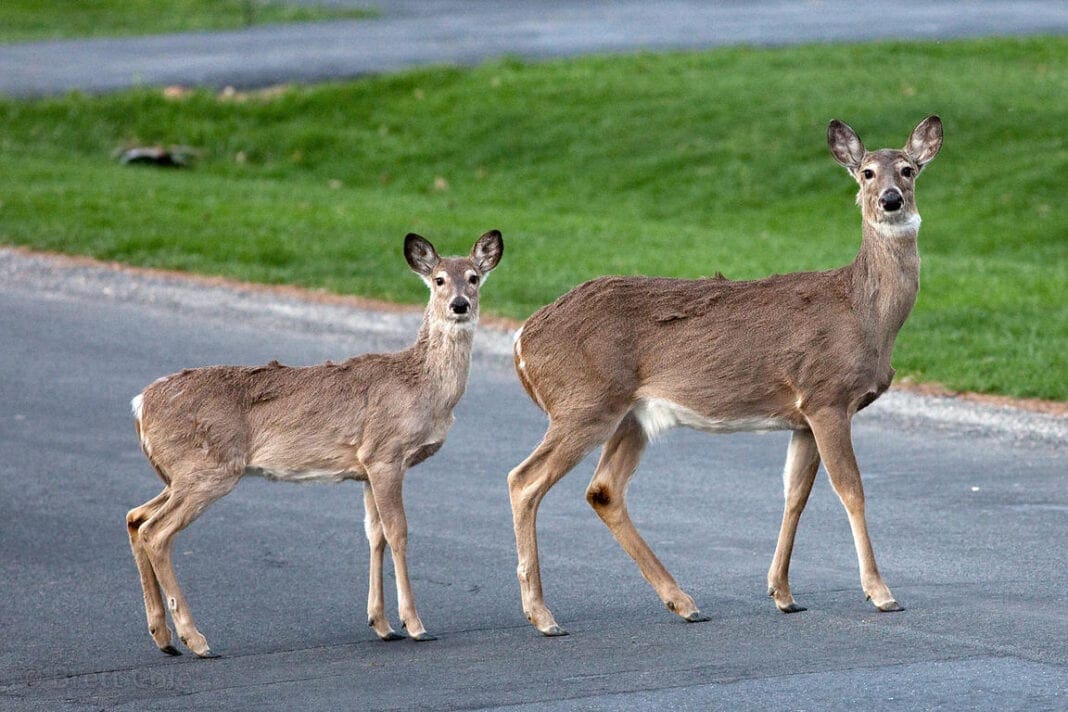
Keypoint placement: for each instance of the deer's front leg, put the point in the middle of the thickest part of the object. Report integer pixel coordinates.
(386, 482)
(834, 440)
(376, 537)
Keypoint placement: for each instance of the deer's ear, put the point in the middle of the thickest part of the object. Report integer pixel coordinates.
(421, 255)
(846, 146)
(487, 251)
(925, 142)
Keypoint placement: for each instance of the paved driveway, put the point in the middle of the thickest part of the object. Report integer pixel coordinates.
(411, 32)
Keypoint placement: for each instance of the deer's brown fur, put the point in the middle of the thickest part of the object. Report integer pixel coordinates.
(368, 418)
(618, 359)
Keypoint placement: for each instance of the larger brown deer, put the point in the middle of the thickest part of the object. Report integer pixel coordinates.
(620, 359)
(369, 418)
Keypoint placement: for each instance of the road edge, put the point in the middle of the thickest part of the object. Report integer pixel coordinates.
(79, 275)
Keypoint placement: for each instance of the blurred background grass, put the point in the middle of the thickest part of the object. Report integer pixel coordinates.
(670, 164)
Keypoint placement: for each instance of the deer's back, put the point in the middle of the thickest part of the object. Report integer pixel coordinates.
(723, 349)
(280, 421)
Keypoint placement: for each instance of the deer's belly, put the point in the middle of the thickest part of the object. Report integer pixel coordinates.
(657, 415)
(281, 474)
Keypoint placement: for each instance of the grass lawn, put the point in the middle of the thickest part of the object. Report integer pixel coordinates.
(669, 164)
(24, 20)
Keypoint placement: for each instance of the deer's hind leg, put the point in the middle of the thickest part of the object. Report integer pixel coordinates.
(190, 494)
(802, 463)
(565, 443)
(154, 608)
(607, 495)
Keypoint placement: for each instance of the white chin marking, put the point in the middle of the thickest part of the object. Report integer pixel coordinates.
(890, 231)
(136, 406)
(658, 415)
(451, 325)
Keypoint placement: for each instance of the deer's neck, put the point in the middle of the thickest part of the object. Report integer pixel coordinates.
(886, 279)
(444, 352)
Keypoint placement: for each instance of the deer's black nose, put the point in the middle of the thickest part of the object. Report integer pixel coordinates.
(459, 305)
(891, 200)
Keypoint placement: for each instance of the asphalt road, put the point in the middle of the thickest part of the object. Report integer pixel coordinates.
(410, 32)
(968, 507)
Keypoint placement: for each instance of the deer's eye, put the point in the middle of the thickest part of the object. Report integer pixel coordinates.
(473, 279)
(439, 281)
(868, 173)
(907, 171)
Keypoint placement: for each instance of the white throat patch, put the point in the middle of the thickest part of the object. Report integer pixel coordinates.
(892, 231)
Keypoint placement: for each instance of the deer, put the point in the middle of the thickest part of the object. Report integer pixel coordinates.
(367, 419)
(619, 360)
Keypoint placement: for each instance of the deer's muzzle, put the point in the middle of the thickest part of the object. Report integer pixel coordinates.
(891, 200)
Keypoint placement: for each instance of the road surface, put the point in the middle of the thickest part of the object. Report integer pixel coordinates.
(968, 507)
(413, 32)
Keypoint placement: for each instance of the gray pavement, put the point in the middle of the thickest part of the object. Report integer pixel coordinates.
(968, 504)
(968, 514)
(409, 32)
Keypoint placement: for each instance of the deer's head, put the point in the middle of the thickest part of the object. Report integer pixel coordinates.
(887, 177)
(454, 282)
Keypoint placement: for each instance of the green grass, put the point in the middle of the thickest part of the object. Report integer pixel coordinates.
(675, 164)
(24, 20)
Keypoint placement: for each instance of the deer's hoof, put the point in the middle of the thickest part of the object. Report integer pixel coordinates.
(890, 606)
(553, 631)
(696, 617)
(792, 608)
(423, 637)
(170, 650)
(391, 635)
(198, 645)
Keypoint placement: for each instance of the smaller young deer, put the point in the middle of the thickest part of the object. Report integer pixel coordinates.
(369, 419)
